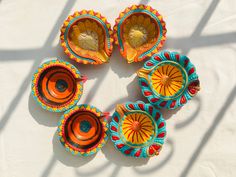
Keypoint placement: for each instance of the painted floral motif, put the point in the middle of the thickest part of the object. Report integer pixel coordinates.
(168, 80)
(139, 32)
(86, 37)
(137, 129)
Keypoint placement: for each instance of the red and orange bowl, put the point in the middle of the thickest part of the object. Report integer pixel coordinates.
(82, 130)
(57, 85)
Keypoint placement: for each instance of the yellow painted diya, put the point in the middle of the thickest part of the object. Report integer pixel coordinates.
(57, 85)
(82, 130)
(168, 80)
(86, 37)
(139, 32)
(137, 129)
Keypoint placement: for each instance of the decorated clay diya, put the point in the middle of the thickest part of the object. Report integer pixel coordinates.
(86, 37)
(139, 32)
(82, 130)
(168, 80)
(57, 85)
(137, 129)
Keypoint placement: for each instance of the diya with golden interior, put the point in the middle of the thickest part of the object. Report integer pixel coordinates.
(137, 129)
(82, 130)
(139, 32)
(168, 80)
(57, 85)
(86, 37)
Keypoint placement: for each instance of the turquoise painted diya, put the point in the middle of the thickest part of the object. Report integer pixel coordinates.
(168, 80)
(137, 129)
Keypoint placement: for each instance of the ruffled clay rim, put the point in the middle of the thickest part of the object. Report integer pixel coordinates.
(37, 96)
(142, 9)
(190, 87)
(96, 147)
(151, 148)
(86, 14)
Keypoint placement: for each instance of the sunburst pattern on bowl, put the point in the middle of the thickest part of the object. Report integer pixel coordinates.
(86, 37)
(82, 130)
(139, 32)
(57, 85)
(168, 80)
(137, 129)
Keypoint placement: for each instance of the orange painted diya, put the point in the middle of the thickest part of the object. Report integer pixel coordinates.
(139, 32)
(86, 37)
(57, 85)
(82, 130)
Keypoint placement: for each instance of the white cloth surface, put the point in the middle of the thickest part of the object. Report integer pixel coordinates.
(201, 139)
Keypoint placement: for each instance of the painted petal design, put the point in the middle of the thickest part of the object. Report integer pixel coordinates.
(168, 80)
(86, 37)
(139, 32)
(137, 129)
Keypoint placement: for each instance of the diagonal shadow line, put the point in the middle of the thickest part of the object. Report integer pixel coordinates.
(209, 132)
(191, 118)
(161, 163)
(201, 25)
(15, 101)
(205, 18)
(93, 172)
(49, 167)
(116, 171)
(203, 41)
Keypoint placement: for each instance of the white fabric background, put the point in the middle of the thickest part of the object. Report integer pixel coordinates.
(201, 138)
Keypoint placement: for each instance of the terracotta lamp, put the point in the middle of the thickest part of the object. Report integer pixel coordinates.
(57, 85)
(139, 32)
(137, 129)
(82, 130)
(86, 37)
(168, 80)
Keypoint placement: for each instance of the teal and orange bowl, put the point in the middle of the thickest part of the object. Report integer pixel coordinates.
(137, 130)
(82, 130)
(168, 80)
(57, 85)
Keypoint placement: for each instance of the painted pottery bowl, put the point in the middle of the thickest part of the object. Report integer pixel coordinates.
(86, 37)
(57, 85)
(168, 80)
(82, 130)
(139, 32)
(137, 129)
